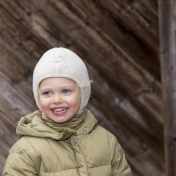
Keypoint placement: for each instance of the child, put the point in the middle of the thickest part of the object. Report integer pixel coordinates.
(63, 138)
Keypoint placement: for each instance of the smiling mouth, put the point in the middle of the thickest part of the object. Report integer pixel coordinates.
(59, 109)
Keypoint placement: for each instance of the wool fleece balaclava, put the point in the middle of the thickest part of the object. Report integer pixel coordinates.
(62, 62)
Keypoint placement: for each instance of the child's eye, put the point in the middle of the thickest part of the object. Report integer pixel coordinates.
(47, 93)
(66, 91)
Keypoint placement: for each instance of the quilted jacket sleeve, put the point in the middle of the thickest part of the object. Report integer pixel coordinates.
(22, 160)
(19, 165)
(120, 166)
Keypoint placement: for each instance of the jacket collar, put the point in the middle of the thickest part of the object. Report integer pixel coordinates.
(33, 125)
(89, 123)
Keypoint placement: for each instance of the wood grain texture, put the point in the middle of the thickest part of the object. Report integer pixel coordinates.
(168, 68)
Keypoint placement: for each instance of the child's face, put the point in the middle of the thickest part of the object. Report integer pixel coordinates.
(59, 99)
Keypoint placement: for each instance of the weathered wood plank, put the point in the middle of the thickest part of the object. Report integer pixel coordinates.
(7, 135)
(120, 32)
(15, 72)
(168, 67)
(151, 5)
(36, 22)
(20, 42)
(18, 105)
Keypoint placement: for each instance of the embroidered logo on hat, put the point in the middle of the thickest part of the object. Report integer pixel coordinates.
(56, 60)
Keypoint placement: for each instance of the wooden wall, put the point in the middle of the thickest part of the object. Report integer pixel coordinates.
(119, 42)
(167, 26)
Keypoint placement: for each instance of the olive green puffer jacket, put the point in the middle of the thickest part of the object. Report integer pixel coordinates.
(42, 151)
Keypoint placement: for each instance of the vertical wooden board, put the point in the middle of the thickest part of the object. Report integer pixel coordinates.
(168, 70)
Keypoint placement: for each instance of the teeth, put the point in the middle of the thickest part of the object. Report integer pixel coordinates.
(59, 109)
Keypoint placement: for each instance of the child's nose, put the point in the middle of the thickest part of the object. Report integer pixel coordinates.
(57, 99)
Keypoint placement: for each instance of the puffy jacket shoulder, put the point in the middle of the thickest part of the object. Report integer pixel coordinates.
(22, 154)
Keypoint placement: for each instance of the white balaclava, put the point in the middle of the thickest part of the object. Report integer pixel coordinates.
(62, 62)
